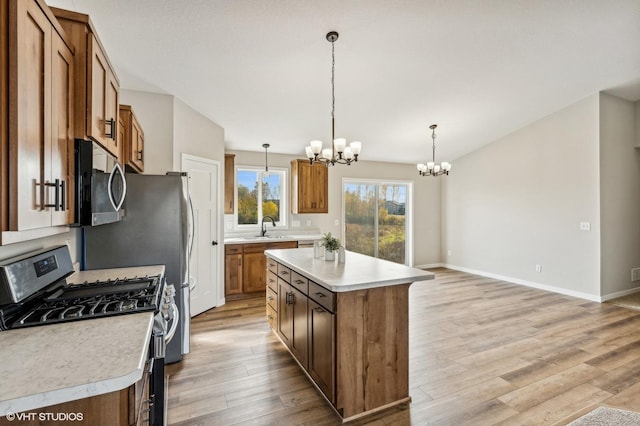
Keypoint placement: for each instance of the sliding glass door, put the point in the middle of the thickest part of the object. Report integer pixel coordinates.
(376, 218)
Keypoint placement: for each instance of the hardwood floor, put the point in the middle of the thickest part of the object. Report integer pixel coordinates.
(482, 352)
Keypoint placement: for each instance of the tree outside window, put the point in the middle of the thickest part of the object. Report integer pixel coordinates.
(260, 194)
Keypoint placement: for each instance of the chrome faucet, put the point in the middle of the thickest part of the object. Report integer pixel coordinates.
(264, 229)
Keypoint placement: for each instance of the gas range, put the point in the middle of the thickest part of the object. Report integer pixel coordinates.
(34, 292)
(50, 300)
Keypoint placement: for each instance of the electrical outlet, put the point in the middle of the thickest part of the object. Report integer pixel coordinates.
(337, 222)
(585, 226)
(635, 274)
(308, 223)
(228, 226)
(538, 268)
(295, 223)
(448, 252)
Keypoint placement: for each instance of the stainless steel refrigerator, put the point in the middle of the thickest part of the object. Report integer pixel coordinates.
(156, 230)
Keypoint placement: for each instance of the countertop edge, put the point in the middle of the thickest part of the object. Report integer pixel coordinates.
(353, 287)
(87, 390)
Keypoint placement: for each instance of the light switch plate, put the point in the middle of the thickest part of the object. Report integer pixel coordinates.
(585, 226)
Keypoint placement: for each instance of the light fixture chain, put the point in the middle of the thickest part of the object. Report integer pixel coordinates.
(333, 91)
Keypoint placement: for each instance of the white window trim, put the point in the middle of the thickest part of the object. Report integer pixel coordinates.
(284, 198)
(408, 260)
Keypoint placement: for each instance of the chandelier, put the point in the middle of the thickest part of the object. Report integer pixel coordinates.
(339, 152)
(431, 168)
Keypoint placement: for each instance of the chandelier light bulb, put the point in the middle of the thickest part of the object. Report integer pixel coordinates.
(348, 154)
(339, 144)
(316, 147)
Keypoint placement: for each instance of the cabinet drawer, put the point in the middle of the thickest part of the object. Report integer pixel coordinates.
(272, 298)
(272, 281)
(284, 273)
(272, 317)
(300, 282)
(272, 265)
(324, 297)
(255, 248)
(233, 249)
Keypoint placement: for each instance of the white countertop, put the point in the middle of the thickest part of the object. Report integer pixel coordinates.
(56, 363)
(359, 272)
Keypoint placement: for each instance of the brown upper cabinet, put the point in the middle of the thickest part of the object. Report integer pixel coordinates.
(229, 182)
(131, 138)
(97, 87)
(309, 187)
(37, 112)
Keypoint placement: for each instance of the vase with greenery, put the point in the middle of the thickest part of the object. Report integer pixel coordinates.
(331, 245)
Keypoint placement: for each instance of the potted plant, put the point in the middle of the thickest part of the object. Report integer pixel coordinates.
(331, 245)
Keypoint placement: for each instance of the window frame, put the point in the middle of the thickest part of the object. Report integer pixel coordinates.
(408, 260)
(284, 196)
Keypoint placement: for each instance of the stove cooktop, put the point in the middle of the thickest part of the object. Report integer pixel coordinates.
(92, 300)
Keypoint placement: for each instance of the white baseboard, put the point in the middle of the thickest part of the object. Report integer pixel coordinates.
(620, 294)
(429, 265)
(554, 289)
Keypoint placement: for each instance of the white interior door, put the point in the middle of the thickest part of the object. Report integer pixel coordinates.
(203, 265)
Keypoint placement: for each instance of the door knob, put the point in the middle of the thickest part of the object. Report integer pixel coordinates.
(214, 243)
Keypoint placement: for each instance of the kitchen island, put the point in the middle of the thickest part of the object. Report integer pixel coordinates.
(346, 324)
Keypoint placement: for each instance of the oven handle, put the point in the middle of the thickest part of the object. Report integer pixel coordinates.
(174, 323)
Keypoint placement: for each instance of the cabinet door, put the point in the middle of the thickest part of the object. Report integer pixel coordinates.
(112, 97)
(320, 189)
(299, 330)
(102, 121)
(233, 274)
(254, 272)
(285, 312)
(306, 190)
(137, 145)
(31, 122)
(229, 183)
(322, 359)
(62, 147)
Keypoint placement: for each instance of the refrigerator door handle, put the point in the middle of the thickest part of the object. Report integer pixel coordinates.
(193, 226)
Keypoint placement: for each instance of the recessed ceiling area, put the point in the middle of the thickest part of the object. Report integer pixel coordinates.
(480, 70)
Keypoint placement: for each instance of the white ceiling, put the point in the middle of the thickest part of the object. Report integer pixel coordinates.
(479, 69)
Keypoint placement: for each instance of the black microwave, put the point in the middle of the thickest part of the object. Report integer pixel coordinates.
(100, 185)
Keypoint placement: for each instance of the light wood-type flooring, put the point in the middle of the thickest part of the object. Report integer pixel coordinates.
(482, 352)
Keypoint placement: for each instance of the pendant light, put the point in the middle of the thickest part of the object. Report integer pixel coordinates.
(431, 168)
(266, 159)
(339, 152)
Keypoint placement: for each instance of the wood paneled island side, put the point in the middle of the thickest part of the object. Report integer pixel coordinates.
(346, 324)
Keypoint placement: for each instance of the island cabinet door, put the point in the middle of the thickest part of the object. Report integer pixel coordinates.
(285, 312)
(299, 343)
(322, 352)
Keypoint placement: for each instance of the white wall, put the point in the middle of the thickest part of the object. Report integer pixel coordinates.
(426, 191)
(518, 202)
(619, 195)
(195, 134)
(155, 114)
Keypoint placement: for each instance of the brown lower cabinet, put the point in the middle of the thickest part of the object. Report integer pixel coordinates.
(245, 267)
(126, 407)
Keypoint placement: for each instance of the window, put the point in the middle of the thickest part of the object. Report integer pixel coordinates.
(260, 194)
(376, 218)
